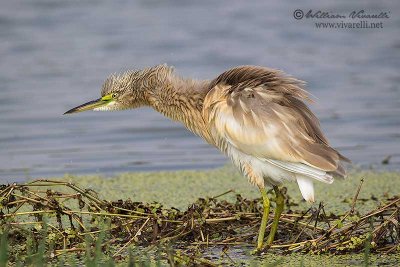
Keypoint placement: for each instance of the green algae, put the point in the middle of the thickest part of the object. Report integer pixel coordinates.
(181, 188)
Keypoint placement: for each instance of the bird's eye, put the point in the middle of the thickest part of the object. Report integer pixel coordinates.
(114, 95)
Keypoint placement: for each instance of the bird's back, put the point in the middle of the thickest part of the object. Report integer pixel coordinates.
(261, 113)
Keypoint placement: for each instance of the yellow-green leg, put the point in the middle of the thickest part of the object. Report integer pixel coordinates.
(280, 202)
(264, 220)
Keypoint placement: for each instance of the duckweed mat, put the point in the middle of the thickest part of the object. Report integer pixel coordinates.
(60, 218)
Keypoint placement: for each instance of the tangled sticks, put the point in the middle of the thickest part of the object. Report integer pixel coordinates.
(70, 214)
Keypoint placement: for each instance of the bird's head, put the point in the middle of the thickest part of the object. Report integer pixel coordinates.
(117, 93)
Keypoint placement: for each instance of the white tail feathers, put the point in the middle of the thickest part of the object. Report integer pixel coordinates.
(306, 187)
(309, 171)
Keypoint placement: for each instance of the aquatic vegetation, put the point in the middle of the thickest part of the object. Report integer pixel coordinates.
(52, 220)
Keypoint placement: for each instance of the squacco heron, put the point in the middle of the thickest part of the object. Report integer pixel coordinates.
(255, 115)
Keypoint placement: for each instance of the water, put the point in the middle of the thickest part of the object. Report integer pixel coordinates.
(56, 54)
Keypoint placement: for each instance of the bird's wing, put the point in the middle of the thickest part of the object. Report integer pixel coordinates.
(261, 112)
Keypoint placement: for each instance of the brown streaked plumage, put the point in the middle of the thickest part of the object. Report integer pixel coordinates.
(255, 115)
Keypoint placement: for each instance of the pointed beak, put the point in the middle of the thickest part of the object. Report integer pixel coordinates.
(90, 105)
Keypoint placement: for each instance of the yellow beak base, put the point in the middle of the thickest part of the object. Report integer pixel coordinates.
(91, 105)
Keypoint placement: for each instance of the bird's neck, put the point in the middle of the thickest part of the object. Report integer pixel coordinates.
(181, 100)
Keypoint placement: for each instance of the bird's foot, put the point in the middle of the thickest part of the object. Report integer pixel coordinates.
(256, 251)
(260, 250)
